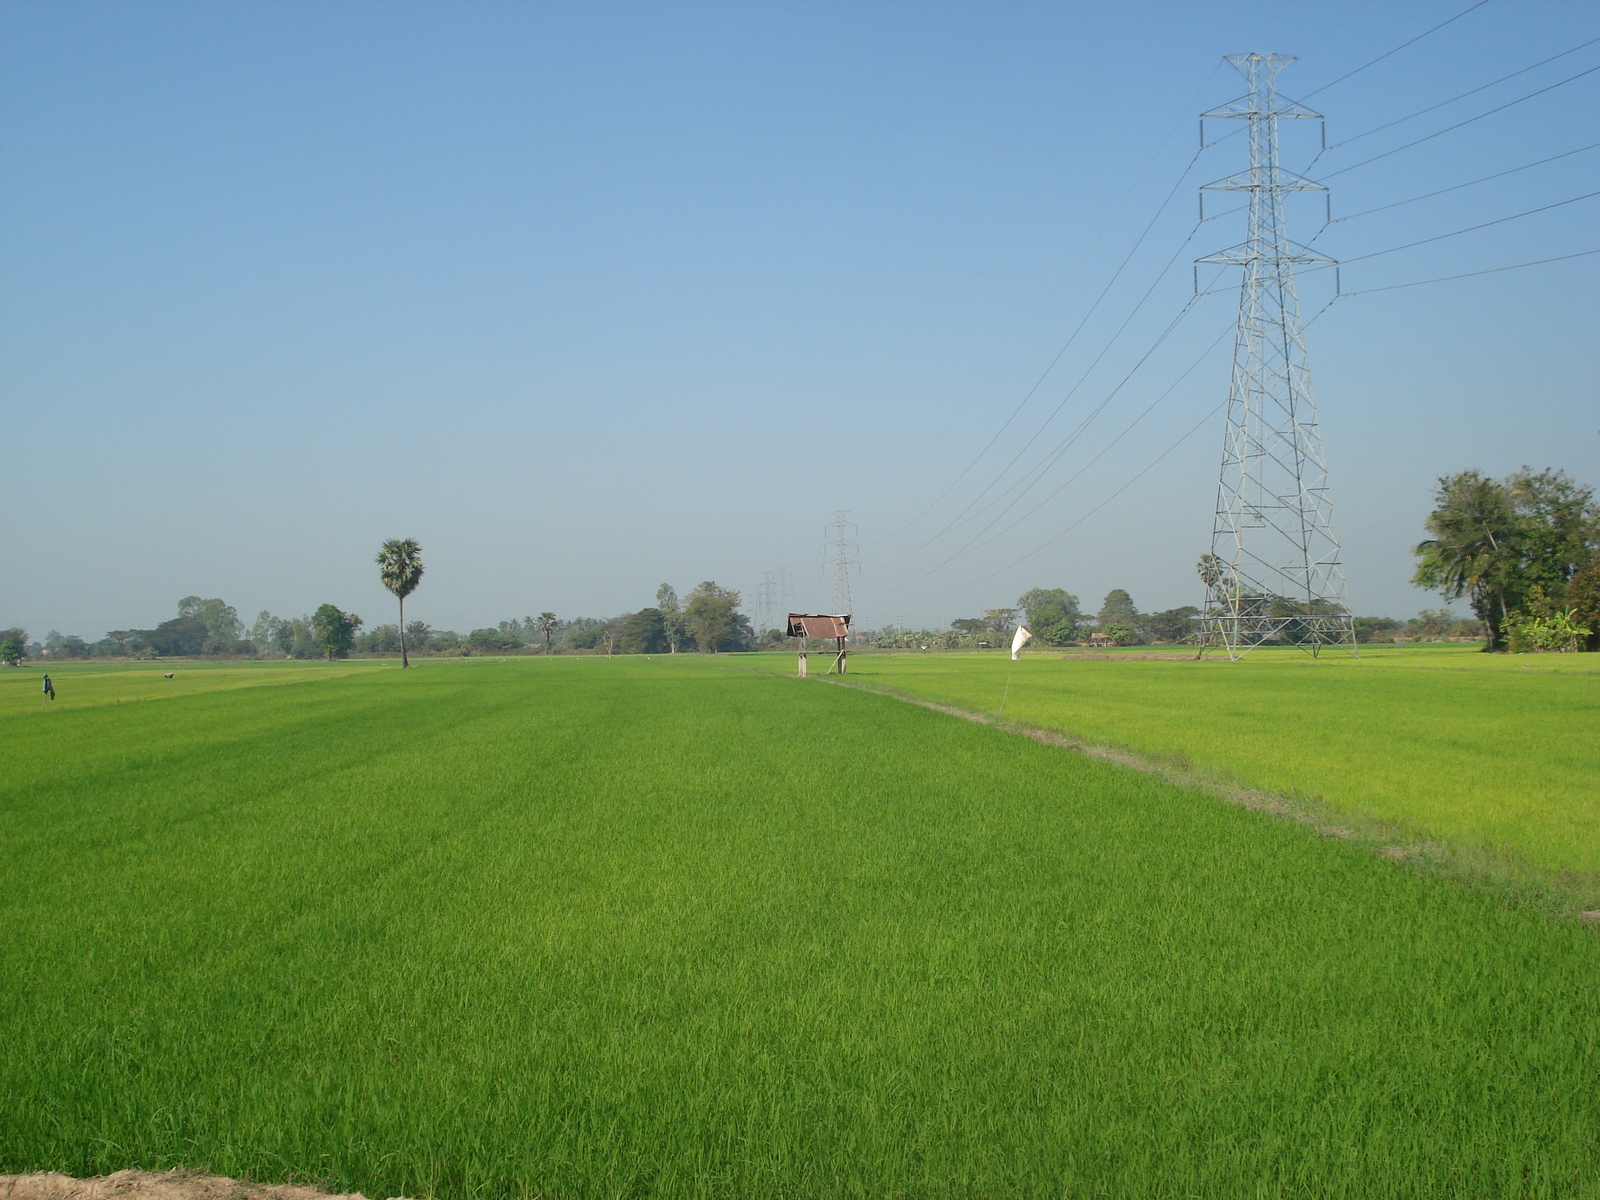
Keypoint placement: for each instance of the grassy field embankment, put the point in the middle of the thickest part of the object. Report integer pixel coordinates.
(622, 928)
(1497, 751)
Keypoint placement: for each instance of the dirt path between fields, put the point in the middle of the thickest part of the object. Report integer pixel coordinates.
(155, 1185)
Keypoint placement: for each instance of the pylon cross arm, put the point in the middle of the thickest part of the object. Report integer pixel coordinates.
(1245, 252)
(1255, 181)
(1246, 107)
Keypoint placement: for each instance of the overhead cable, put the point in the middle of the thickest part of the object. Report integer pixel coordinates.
(1538, 262)
(1031, 477)
(1374, 62)
(1194, 429)
(1135, 479)
(1045, 374)
(1038, 471)
(1460, 124)
(1078, 263)
(1458, 232)
(961, 516)
(1480, 88)
(1078, 474)
(1469, 183)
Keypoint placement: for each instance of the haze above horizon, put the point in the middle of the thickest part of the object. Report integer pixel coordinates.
(585, 298)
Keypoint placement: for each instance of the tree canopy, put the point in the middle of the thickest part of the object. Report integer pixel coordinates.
(13, 646)
(334, 630)
(643, 632)
(1583, 598)
(1171, 625)
(711, 616)
(1118, 609)
(400, 566)
(1051, 614)
(1502, 542)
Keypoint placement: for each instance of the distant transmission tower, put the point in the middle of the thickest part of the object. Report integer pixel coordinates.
(774, 600)
(1274, 573)
(763, 604)
(783, 597)
(842, 562)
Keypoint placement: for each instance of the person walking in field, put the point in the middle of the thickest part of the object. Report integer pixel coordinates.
(49, 688)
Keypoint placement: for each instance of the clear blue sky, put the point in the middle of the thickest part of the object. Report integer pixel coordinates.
(589, 296)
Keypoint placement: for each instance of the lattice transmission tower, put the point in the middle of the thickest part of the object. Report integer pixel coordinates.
(843, 564)
(774, 600)
(783, 597)
(764, 603)
(1274, 573)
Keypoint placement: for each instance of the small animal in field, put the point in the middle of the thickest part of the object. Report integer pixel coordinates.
(168, 674)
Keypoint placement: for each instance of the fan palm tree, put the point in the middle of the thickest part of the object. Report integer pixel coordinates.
(400, 568)
(1474, 550)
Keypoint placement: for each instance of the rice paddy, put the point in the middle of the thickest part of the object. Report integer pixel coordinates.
(1496, 751)
(591, 927)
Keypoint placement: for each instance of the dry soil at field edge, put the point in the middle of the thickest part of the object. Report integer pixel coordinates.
(154, 1185)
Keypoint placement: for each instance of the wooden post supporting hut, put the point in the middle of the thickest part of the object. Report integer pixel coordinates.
(821, 625)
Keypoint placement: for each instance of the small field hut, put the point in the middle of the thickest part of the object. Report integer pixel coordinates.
(821, 625)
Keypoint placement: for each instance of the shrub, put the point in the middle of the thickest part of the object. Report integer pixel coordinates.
(1558, 633)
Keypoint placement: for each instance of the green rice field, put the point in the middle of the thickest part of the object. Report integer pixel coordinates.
(625, 927)
(1498, 751)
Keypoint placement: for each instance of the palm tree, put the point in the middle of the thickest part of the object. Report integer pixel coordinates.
(547, 626)
(400, 568)
(1474, 551)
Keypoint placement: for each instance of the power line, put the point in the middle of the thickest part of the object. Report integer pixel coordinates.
(1337, 296)
(1469, 274)
(1469, 183)
(1151, 407)
(1469, 229)
(1071, 339)
(1039, 470)
(962, 516)
(1473, 92)
(1093, 308)
(1035, 474)
(1460, 124)
(1194, 429)
(1089, 370)
(1374, 62)
(1121, 204)
(1125, 486)
(1134, 479)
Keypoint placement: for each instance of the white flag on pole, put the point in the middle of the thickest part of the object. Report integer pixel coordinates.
(1018, 641)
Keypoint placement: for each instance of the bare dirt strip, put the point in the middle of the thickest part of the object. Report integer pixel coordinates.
(155, 1185)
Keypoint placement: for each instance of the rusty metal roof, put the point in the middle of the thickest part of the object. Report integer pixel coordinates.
(822, 625)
